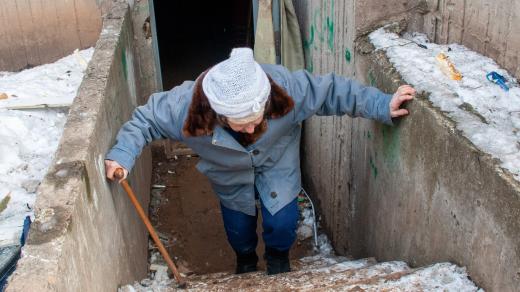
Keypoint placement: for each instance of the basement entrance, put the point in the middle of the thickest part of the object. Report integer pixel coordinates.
(191, 37)
(194, 35)
(186, 214)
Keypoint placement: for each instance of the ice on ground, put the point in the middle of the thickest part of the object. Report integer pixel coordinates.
(29, 138)
(440, 277)
(487, 115)
(50, 84)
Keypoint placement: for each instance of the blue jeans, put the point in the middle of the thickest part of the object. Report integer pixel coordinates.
(279, 229)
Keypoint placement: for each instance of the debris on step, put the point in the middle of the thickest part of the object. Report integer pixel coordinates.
(158, 277)
(161, 272)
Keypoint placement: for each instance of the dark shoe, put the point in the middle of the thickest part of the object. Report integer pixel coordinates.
(277, 261)
(246, 263)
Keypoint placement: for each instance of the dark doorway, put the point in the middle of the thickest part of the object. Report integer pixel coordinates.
(194, 35)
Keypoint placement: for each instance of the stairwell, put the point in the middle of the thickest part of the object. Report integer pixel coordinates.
(447, 201)
(187, 216)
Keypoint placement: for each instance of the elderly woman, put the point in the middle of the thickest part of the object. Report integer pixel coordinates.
(244, 120)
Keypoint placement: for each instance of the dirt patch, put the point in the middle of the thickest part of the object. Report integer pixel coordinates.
(187, 213)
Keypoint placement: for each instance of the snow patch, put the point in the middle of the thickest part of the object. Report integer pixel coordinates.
(487, 115)
(29, 138)
(50, 84)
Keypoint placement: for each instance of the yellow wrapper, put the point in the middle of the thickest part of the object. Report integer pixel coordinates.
(447, 67)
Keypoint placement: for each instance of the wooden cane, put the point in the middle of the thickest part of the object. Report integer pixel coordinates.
(120, 174)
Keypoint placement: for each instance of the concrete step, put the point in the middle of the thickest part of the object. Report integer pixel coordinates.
(304, 264)
(315, 276)
(321, 273)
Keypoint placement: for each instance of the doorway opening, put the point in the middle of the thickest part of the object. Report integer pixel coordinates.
(194, 35)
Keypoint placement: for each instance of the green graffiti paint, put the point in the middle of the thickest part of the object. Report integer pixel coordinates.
(348, 56)
(391, 145)
(371, 78)
(330, 37)
(308, 43)
(307, 46)
(321, 27)
(330, 27)
(123, 62)
(369, 135)
(373, 167)
(310, 65)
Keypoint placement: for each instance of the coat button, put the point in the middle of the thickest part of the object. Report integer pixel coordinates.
(256, 152)
(274, 195)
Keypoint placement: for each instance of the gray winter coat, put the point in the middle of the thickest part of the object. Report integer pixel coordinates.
(272, 163)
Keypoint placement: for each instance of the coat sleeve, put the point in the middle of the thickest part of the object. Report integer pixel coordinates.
(336, 95)
(157, 119)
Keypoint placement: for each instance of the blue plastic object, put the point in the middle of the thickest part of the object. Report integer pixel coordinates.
(9, 255)
(497, 79)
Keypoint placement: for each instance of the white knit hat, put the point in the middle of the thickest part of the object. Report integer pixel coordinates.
(237, 87)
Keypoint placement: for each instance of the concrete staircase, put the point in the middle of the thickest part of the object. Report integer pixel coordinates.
(321, 273)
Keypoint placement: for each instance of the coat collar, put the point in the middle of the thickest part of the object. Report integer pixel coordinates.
(222, 138)
(202, 119)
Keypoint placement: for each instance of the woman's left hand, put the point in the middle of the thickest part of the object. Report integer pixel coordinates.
(403, 93)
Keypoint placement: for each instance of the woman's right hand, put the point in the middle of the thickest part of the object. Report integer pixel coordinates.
(110, 168)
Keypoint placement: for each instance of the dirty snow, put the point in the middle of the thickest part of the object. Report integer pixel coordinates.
(29, 138)
(157, 281)
(438, 277)
(49, 84)
(486, 114)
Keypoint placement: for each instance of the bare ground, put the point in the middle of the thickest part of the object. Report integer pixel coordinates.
(186, 213)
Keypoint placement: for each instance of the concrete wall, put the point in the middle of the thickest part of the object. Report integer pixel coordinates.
(425, 194)
(330, 30)
(35, 32)
(87, 236)
(418, 191)
(143, 48)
